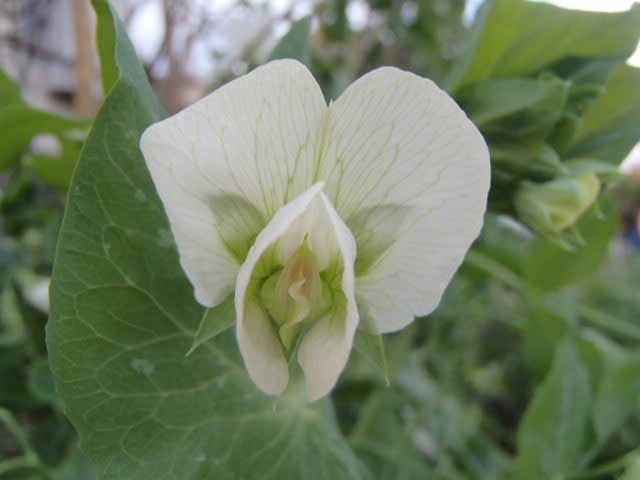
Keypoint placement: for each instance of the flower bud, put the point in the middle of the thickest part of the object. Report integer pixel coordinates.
(554, 206)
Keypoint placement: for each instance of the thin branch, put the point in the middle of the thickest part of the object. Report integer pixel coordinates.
(85, 62)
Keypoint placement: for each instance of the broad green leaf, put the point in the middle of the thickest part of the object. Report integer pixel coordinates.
(550, 267)
(518, 37)
(295, 44)
(20, 123)
(552, 437)
(548, 324)
(123, 316)
(618, 397)
(586, 77)
(9, 91)
(515, 160)
(515, 107)
(372, 348)
(611, 126)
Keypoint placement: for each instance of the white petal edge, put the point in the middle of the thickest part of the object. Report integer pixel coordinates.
(253, 137)
(324, 350)
(258, 341)
(261, 350)
(396, 138)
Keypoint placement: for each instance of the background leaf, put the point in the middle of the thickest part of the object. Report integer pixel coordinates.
(515, 107)
(20, 123)
(611, 126)
(55, 171)
(9, 91)
(618, 397)
(553, 433)
(295, 44)
(517, 37)
(372, 348)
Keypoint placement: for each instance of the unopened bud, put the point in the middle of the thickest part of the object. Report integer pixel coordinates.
(554, 206)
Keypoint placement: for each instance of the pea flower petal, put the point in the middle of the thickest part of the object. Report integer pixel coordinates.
(308, 220)
(238, 153)
(322, 219)
(404, 162)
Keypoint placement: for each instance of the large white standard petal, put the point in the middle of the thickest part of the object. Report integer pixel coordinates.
(410, 175)
(325, 349)
(248, 147)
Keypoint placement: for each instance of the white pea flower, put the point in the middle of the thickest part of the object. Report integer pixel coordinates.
(322, 219)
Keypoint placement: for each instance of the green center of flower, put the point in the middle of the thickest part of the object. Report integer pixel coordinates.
(295, 294)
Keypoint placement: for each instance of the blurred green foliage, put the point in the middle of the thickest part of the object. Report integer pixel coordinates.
(529, 368)
(20, 123)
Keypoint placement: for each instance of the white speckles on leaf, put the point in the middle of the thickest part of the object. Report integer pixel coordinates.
(140, 196)
(143, 366)
(164, 238)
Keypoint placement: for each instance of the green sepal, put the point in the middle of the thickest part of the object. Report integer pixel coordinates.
(371, 346)
(215, 320)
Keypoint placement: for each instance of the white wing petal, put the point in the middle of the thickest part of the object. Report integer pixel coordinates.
(261, 350)
(249, 146)
(398, 142)
(325, 349)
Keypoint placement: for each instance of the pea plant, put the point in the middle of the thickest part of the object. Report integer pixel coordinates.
(398, 280)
